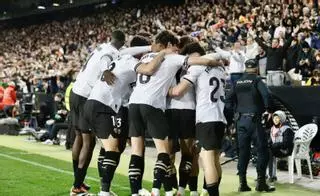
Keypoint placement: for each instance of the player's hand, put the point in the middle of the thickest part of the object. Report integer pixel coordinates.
(109, 77)
(225, 62)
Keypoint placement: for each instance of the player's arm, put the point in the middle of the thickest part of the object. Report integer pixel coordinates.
(180, 89)
(149, 68)
(187, 82)
(105, 63)
(205, 62)
(135, 50)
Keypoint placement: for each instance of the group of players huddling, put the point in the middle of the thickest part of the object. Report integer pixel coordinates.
(168, 89)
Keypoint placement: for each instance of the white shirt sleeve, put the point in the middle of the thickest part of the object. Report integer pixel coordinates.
(145, 59)
(223, 53)
(132, 62)
(105, 62)
(193, 73)
(135, 50)
(213, 56)
(176, 60)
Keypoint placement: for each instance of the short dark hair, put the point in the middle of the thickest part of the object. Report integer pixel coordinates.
(192, 48)
(184, 40)
(118, 35)
(139, 41)
(166, 37)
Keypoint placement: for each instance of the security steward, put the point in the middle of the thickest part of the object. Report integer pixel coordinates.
(249, 98)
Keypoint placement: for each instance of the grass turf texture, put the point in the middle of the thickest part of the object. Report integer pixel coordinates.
(19, 178)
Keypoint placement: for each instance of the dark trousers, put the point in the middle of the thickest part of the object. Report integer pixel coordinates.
(249, 128)
(56, 127)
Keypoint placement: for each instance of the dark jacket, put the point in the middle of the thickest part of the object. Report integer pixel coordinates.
(233, 38)
(284, 148)
(292, 57)
(306, 70)
(250, 95)
(275, 56)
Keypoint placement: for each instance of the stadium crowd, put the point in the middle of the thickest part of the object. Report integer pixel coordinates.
(281, 38)
(36, 52)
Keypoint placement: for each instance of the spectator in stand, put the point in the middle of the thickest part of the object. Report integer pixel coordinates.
(237, 58)
(251, 49)
(1, 92)
(305, 61)
(275, 56)
(9, 100)
(292, 55)
(314, 80)
(232, 33)
(261, 59)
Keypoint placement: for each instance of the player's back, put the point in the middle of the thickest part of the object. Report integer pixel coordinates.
(113, 95)
(92, 69)
(152, 90)
(187, 101)
(210, 95)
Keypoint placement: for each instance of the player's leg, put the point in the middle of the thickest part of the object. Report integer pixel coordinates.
(136, 134)
(185, 166)
(174, 147)
(210, 137)
(186, 134)
(210, 171)
(88, 142)
(158, 129)
(193, 179)
(85, 156)
(77, 145)
(110, 163)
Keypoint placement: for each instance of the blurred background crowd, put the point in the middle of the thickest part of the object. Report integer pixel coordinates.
(282, 35)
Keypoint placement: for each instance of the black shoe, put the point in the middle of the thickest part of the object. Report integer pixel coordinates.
(273, 179)
(263, 186)
(243, 184)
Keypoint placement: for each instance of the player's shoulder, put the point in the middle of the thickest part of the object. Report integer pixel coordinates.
(196, 68)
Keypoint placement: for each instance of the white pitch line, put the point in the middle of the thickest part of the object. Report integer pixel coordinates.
(56, 169)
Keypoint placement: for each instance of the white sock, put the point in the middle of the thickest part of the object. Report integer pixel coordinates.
(135, 194)
(103, 193)
(169, 193)
(181, 191)
(155, 192)
(194, 193)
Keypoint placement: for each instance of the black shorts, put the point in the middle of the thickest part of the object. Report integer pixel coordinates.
(210, 134)
(144, 117)
(77, 103)
(103, 120)
(182, 123)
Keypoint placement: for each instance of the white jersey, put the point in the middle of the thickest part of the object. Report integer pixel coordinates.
(97, 62)
(153, 90)
(114, 95)
(210, 92)
(185, 102)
